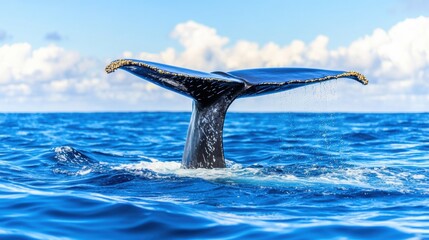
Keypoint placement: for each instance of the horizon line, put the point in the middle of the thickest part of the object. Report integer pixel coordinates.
(186, 111)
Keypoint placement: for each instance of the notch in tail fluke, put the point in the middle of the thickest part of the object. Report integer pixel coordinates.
(214, 92)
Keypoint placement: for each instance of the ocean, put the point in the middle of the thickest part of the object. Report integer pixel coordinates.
(289, 176)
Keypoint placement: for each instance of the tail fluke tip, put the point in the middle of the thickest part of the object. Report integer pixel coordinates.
(117, 64)
(359, 76)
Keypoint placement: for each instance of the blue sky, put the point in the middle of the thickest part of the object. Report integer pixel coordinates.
(52, 53)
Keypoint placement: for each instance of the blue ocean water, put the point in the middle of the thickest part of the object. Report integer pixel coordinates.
(289, 176)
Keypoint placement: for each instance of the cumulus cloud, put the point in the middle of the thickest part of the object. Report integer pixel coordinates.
(20, 62)
(395, 60)
(53, 78)
(12, 90)
(395, 53)
(204, 49)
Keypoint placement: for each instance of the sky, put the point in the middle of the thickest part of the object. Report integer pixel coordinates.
(53, 53)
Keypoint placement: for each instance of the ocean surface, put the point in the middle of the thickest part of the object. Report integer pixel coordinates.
(289, 176)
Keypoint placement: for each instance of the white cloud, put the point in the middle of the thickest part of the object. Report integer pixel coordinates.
(35, 79)
(396, 61)
(401, 52)
(58, 86)
(203, 47)
(398, 52)
(13, 90)
(20, 62)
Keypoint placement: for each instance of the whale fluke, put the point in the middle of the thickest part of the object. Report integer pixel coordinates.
(214, 92)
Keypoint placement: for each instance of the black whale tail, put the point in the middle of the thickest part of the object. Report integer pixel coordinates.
(214, 92)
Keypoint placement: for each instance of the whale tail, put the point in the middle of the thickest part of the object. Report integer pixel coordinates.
(214, 92)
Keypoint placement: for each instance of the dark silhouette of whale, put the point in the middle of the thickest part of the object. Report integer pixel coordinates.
(214, 92)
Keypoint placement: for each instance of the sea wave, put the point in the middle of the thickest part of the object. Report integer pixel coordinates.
(294, 176)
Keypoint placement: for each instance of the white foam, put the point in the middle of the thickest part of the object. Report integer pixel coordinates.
(84, 171)
(419, 176)
(22, 133)
(363, 177)
(235, 173)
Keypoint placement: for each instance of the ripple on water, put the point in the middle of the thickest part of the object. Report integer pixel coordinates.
(118, 175)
